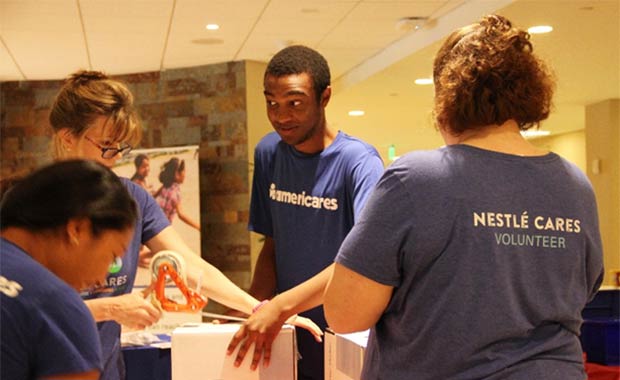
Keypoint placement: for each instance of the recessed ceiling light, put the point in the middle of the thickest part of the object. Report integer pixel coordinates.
(534, 133)
(356, 113)
(539, 29)
(423, 81)
(212, 27)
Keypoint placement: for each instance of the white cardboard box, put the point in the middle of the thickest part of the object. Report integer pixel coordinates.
(199, 353)
(344, 355)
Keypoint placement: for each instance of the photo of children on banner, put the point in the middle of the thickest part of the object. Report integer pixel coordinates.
(143, 168)
(168, 196)
(170, 174)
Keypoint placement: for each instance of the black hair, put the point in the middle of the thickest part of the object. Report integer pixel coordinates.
(298, 59)
(140, 159)
(51, 196)
(169, 171)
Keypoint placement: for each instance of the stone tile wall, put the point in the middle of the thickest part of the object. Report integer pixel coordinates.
(204, 105)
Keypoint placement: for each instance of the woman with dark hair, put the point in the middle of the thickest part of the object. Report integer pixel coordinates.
(489, 247)
(61, 228)
(172, 175)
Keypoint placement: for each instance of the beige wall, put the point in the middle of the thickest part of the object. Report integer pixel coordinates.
(258, 126)
(603, 155)
(569, 145)
(599, 140)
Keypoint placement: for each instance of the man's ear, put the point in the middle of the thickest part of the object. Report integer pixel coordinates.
(325, 96)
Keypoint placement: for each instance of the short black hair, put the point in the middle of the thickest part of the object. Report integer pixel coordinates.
(51, 196)
(140, 159)
(298, 59)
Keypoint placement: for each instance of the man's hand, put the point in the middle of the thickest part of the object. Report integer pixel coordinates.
(261, 329)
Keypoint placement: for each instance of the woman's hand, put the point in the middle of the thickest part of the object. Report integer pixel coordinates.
(261, 329)
(133, 311)
(306, 323)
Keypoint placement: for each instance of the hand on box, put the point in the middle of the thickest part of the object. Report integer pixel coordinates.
(261, 329)
(306, 323)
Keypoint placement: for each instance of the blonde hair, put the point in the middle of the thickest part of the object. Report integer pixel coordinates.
(87, 95)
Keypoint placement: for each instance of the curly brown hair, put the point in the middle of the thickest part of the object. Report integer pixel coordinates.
(486, 74)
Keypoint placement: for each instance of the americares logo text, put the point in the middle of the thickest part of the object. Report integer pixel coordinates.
(302, 199)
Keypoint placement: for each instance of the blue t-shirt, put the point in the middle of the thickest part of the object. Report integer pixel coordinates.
(308, 204)
(492, 258)
(121, 275)
(46, 328)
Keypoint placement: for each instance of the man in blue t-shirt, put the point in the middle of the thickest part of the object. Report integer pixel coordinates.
(310, 183)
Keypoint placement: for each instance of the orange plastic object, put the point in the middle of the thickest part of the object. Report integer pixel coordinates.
(195, 301)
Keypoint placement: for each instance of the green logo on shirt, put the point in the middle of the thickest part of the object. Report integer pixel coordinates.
(116, 265)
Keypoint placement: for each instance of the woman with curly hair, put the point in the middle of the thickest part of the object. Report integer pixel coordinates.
(489, 247)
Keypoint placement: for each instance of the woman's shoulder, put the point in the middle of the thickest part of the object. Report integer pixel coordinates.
(19, 268)
(139, 193)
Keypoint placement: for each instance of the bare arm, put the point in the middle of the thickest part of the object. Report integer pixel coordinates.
(264, 279)
(305, 296)
(186, 219)
(263, 326)
(347, 314)
(215, 284)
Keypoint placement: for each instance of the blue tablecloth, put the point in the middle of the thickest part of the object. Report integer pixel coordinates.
(147, 362)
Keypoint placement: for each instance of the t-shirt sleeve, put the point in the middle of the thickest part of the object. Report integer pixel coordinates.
(260, 213)
(67, 338)
(366, 174)
(153, 218)
(373, 247)
(594, 246)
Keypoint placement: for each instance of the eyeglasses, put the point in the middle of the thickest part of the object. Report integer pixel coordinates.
(108, 151)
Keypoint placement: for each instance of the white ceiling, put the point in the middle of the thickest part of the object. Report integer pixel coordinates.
(373, 61)
(125, 36)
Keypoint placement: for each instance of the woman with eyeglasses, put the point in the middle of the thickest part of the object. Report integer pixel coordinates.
(93, 117)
